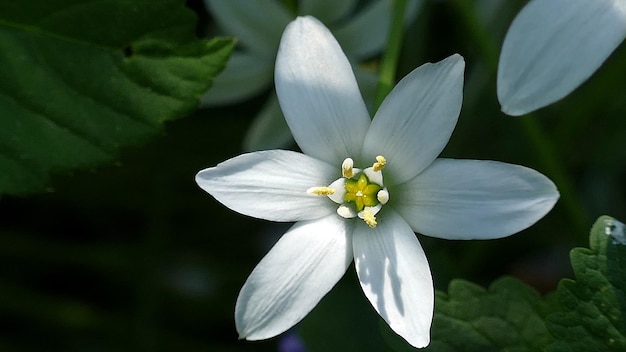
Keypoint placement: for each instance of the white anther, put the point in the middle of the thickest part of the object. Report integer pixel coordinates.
(321, 191)
(368, 217)
(383, 196)
(347, 166)
(380, 163)
(367, 214)
(346, 212)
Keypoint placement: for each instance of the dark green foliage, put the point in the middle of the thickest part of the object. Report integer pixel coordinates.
(80, 79)
(591, 315)
(506, 317)
(585, 314)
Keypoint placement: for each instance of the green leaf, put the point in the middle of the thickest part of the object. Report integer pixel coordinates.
(81, 78)
(506, 317)
(585, 314)
(591, 316)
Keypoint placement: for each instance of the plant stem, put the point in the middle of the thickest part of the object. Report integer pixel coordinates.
(387, 74)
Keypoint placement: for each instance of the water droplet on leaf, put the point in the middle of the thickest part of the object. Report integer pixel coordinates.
(615, 229)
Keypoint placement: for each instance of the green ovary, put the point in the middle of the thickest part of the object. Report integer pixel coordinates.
(361, 192)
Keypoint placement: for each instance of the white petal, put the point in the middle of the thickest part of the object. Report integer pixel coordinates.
(327, 11)
(553, 46)
(474, 199)
(291, 279)
(394, 274)
(366, 33)
(416, 120)
(257, 24)
(271, 185)
(245, 75)
(318, 93)
(269, 129)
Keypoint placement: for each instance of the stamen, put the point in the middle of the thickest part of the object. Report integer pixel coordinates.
(358, 193)
(321, 191)
(380, 163)
(339, 185)
(347, 168)
(383, 196)
(368, 217)
(346, 212)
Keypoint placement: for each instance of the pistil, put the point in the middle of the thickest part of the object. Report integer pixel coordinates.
(361, 192)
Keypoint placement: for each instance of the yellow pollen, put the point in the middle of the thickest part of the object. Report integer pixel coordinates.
(321, 191)
(380, 163)
(346, 168)
(369, 218)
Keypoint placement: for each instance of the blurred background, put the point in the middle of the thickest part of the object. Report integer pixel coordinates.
(135, 257)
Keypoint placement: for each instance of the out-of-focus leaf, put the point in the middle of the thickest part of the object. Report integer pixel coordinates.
(80, 79)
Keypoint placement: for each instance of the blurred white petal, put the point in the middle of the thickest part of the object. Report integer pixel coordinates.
(269, 129)
(553, 46)
(368, 82)
(327, 11)
(245, 76)
(366, 34)
(257, 24)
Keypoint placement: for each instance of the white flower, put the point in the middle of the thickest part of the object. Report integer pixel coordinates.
(362, 188)
(553, 46)
(258, 26)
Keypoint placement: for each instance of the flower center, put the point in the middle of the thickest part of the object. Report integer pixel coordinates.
(359, 193)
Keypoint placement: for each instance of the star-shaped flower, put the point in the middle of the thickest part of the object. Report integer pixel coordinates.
(362, 187)
(553, 46)
(258, 26)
